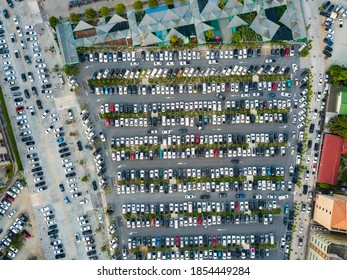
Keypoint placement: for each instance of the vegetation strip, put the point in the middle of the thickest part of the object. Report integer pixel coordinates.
(10, 132)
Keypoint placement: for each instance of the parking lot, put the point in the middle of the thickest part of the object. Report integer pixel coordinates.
(166, 138)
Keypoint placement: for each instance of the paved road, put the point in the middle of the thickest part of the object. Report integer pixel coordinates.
(47, 147)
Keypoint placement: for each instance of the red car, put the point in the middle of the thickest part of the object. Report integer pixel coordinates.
(177, 241)
(274, 86)
(286, 52)
(107, 122)
(10, 198)
(236, 205)
(26, 234)
(20, 108)
(111, 107)
(214, 240)
(197, 139)
(199, 221)
(132, 155)
(216, 153)
(227, 87)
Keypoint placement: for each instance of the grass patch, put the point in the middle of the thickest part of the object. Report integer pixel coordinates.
(10, 132)
(9, 171)
(280, 11)
(249, 17)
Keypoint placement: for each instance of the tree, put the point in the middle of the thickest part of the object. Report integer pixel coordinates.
(119, 8)
(75, 17)
(153, 3)
(173, 39)
(210, 34)
(221, 4)
(338, 126)
(338, 75)
(104, 11)
(53, 21)
(138, 5)
(71, 70)
(168, 2)
(90, 13)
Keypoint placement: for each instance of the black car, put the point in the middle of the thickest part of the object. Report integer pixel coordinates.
(95, 186)
(62, 145)
(326, 5)
(69, 175)
(79, 145)
(34, 91)
(53, 227)
(36, 169)
(63, 150)
(54, 231)
(65, 155)
(39, 104)
(40, 184)
(327, 53)
(91, 253)
(6, 14)
(26, 93)
(205, 196)
(312, 127)
(329, 49)
(59, 256)
(61, 187)
(87, 232)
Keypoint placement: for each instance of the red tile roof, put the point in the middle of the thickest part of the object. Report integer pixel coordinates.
(333, 146)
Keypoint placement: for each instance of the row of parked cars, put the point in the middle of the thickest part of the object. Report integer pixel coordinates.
(209, 173)
(10, 197)
(201, 120)
(88, 237)
(196, 139)
(8, 250)
(332, 13)
(190, 72)
(201, 206)
(208, 186)
(200, 241)
(203, 88)
(57, 246)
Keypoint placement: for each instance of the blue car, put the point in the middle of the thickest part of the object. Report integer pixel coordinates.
(271, 94)
(61, 139)
(328, 41)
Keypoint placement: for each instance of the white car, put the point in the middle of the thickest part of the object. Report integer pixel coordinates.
(189, 196)
(7, 63)
(84, 201)
(45, 114)
(29, 27)
(15, 19)
(49, 130)
(295, 67)
(320, 81)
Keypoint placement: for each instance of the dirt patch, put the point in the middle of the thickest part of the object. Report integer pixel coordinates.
(32, 246)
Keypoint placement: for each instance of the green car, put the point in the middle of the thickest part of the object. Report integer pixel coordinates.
(183, 130)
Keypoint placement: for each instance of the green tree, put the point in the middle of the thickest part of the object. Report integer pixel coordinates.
(71, 70)
(138, 5)
(221, 4)
(104, 11)
(168, 2)
(90, 13)
(338, 75)
(338, 126)
(153, 3)
(210, 34)
(119, 8)
(75, 17)
(53, 21)
(173, 39)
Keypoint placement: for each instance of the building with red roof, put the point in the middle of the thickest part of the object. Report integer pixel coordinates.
(333, 147)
